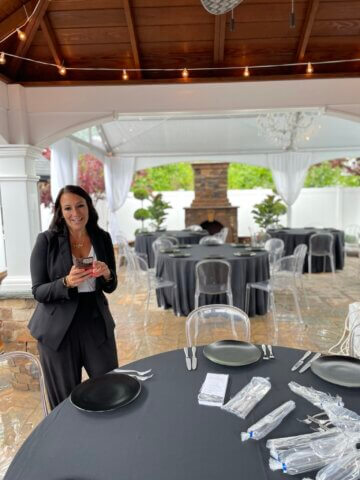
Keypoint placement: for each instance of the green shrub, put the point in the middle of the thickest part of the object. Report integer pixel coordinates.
(141, 214)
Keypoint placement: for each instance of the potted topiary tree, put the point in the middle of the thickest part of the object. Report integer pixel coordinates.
(157, 211)
(268, 211)
(142, 214)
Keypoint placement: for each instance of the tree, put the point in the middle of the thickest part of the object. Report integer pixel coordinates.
(268, 211)
(91, 176)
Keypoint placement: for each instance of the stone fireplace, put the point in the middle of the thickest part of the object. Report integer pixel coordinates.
(211, 208)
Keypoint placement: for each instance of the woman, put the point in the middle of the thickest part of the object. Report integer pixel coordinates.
(72, 321)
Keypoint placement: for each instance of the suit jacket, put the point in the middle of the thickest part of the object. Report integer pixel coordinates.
(50, 261)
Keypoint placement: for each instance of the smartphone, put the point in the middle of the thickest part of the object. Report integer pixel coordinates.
(86, 262)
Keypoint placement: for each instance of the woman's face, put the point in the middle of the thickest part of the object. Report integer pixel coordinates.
(75, 211)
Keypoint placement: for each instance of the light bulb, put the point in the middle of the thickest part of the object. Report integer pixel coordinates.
(21, 35)
(309, 68)
(246, 72)
(2, 58)
(125, 76)
(185, 73)
(62, 70)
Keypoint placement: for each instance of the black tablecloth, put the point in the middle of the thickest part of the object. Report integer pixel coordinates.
(182, 271)
(143, 242)
(294, 236)
(164, 434)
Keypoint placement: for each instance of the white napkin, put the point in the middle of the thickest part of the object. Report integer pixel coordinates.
(213, 390)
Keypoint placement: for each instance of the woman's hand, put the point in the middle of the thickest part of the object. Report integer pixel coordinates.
(100, 269)
(77, 276)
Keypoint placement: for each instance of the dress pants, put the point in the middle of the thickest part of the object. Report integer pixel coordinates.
(84, 345)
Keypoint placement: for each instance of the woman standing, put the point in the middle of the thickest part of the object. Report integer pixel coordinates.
(72, 321)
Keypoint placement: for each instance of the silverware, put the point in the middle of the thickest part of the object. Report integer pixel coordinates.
(271, 351)
(194, 359)
(141, 378)
(187, 358)
(265, 355)
(301, 361)
(308, 364)
(136, 372)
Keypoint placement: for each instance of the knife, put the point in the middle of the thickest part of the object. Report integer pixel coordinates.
(301, 361)
(308, 364)
(194, 359)
(187, 358)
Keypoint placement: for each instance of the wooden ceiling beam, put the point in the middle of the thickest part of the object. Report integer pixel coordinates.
(30, 31)
(306, 30)
(132, 33)
(51, 40)
(13, 21)
(219, 38)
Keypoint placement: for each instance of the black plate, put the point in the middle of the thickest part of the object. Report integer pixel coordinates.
(169, 250)
(244, 254)
(344, 371)
(232, 353)
(183, 245)
(257, 249)
(105, 393)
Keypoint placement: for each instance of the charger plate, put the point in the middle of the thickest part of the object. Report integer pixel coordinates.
(232, 353)
(337, 369)
(105, 393)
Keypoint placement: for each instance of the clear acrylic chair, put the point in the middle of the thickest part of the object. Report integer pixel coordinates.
(349, 342)
(161, 243)
(210, 240)
(195, 228)
(300, 255)
(143, 280)
(352, 239)
(210, 323)
(213, 277)
(222, 234)
(22, 402)
(321, 245)
(282, 280)
(258, 239)
(275, 247)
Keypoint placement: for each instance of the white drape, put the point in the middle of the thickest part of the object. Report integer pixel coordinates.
(63, 165)
(289, 172)
(118, 175)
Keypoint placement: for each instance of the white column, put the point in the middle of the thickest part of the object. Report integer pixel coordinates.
(20, 211)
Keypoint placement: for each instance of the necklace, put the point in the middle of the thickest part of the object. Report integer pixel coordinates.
(80, 244)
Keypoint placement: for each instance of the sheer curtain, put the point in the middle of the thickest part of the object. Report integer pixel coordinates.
(63, 165)
(289, 172)
(118, 175)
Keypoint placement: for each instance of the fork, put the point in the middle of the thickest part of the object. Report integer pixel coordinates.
(135, 372)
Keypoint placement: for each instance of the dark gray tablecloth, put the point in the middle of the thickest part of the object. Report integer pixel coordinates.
(143, 242)
(165, 434)
(294, 236)
(182, 271)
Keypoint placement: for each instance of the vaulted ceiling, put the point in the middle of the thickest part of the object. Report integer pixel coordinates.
(163, 34)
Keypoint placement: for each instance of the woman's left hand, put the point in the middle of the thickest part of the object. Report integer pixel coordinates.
(100, 269)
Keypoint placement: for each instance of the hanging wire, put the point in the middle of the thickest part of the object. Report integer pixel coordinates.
(232, 21)
(28, 18)
(292, 14)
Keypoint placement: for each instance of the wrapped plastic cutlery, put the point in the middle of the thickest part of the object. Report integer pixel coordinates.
(246, 399)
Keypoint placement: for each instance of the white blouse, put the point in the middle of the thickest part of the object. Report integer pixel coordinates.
(90, 284)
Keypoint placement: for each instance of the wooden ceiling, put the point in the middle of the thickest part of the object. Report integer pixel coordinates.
(177, 34)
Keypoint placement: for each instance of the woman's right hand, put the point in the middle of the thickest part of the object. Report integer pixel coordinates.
(77, 276)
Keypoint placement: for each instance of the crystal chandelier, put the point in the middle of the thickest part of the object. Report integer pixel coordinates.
(219, 7)
(288, 130)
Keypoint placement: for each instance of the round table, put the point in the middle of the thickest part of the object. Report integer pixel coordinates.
(292, 237)
(165, 434)
(144, 241)
(182, 272)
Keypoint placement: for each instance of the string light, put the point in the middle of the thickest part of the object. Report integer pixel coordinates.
(125, 76)
(2, 58)
(17, 29)
(246, 72)
(21, 35)
(185, 73)
(62, 70)
(309, 68)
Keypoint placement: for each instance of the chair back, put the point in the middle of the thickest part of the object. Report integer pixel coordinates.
(171, 239)
(284, 273)
(195, 228)
(210, 240)
(22, 402)
(354, 341)
(222, 234)
(160, 243)
(352, 236)
(259, 239)
(213, 277)
(321, 244)
(275, 247)
(300, 255)
(210, 323)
